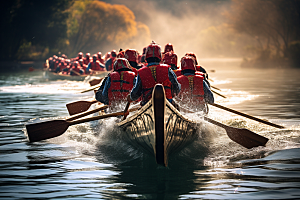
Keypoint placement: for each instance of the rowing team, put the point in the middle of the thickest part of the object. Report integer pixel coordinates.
(126, 83)
(75, 66)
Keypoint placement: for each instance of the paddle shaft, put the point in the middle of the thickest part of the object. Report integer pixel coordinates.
(218, 93)
(125, 110)
(95, 87)
(100, 117)
(215, 87)
(86, 113)
(50, 129)
(247, 116)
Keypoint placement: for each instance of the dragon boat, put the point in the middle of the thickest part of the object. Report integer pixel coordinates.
(158, 128)
(55, 76)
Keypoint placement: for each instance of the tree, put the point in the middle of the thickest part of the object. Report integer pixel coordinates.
(103, 25)
(273, 23)
(27, 23)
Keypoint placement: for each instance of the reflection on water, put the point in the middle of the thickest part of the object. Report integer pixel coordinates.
(91, 161)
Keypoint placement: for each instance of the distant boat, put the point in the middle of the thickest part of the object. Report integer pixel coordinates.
(55, 76)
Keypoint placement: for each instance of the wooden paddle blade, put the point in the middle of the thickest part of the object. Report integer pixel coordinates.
(45, 130)
(79, 106)
(95, 82)
(245, 137)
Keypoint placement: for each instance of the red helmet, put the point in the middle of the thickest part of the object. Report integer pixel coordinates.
(107, 55)
(113, 53)
(192, 55)
(121, 54)
(87, 55)
(95, 56)
(131, 55)
(121, 63)
(99, 54)
(168, 47)
(76, 63)
(80, 54)
(187, 62)
(170, 58)
(153, 50)
(79, 61)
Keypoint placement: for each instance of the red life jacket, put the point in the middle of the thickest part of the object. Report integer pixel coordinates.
(96, 66)
(62, 66)
(152, 75)
(86, 60)
(191, 88)
(76, 69)
(178, 72)
(120, 85)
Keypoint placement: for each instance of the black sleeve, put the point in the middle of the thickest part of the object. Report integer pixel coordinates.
(98, 95)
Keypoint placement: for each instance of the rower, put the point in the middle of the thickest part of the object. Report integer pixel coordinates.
(118, 84)
(76, 70)
(99, 57)
(94, 65)
(86, 59)
(79, 56)
(109, 63)
(195, 92)
(170, 58)
(152, 74)
(168, 48)
(142, 57)
(132, 56)
(198, 67)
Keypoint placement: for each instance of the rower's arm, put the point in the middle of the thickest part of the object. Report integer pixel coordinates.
(98, 95)
(105, 99)
(137, 89)
(107, 64)
(173, 78)
(87, 70)
(208, 95)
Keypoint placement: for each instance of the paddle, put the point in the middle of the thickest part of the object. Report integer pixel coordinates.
(79, 106)
(95, 87)
(77, 73)
(53, 128)
(215, 87)
(242, 136)
(218, 93)
(95, 81)
(247, 116)
(77, 116)
(125, 110)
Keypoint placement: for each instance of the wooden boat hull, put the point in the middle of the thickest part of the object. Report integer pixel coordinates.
(158, 128)
(54, 76)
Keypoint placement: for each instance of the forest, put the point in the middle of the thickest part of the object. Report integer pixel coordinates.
(265, 33)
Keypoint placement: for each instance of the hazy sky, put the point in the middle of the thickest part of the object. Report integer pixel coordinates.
(177, 21)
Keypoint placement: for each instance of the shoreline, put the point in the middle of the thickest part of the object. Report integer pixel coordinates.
(9, 66)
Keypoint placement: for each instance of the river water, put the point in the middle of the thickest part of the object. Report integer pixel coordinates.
(89, 161)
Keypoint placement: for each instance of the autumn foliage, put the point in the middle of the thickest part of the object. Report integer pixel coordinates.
(104, 27)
